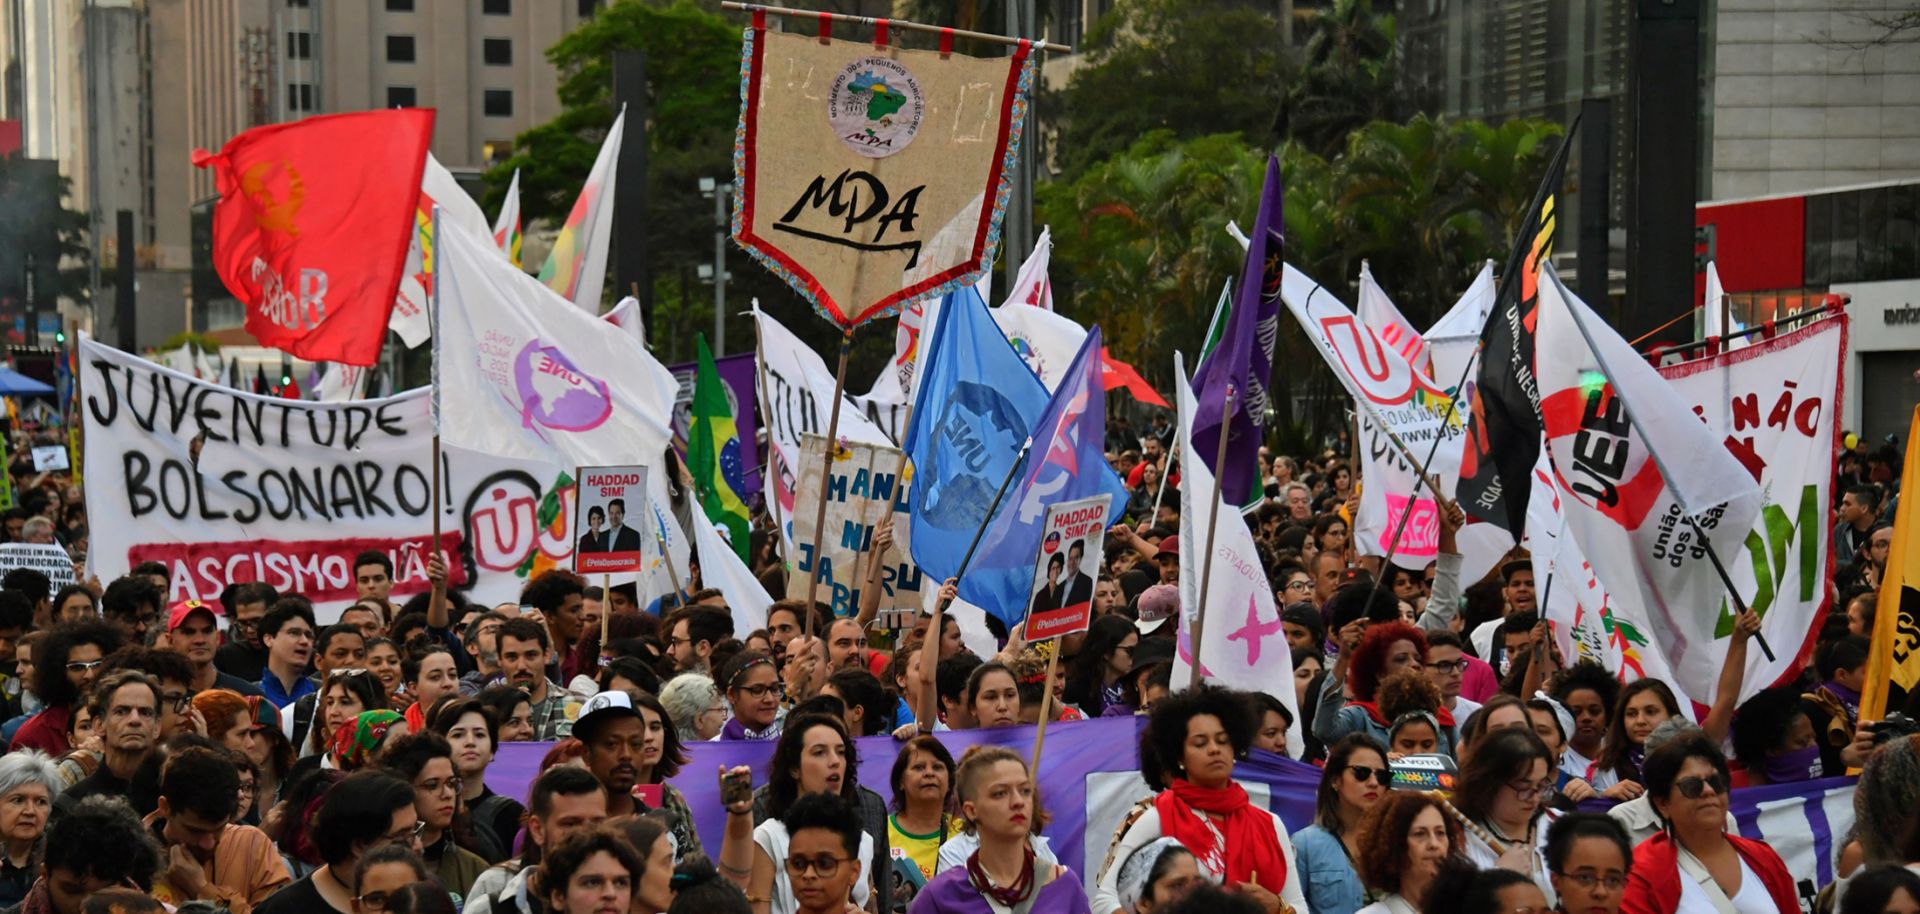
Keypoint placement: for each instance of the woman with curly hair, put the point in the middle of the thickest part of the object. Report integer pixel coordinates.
(1387, 648)
(1195, 736)
(1412, 705)
(1403, 841)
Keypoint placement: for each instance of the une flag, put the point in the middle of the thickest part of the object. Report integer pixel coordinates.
(713, 451)
(506, 227)
(576, 267)
(1245, 646)
(978, 403)
(1503, 424)
(1894, 661)
(1243, 360)
(312, 227)
(535, 380)
(1632, 463)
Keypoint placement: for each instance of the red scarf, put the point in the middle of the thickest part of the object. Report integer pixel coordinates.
(1253, 850)
(1373, 711)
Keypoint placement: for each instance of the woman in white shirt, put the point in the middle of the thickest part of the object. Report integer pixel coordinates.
(1503, 790)
(1194, 738)
(815, 755)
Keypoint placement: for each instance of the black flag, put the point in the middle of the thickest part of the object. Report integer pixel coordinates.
(1503, 422)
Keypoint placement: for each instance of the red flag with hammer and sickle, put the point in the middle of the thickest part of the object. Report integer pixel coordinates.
(312, 227)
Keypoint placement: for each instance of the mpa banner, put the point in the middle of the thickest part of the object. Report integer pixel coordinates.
(604, 542)
(1775, 404)
(1070, 557)
(226, 487)
(872, 177)
(861, 490)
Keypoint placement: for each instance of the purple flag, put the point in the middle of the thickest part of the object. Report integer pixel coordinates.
(1243, 360)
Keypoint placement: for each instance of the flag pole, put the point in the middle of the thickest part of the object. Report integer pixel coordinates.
(826, 474)
(1726, 580)
(433, 330)
(1213, 526)
(1046, 708)
(987, 518)
(679, 593)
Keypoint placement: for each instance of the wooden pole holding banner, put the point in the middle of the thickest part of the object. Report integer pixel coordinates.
(826, 475)
(890, 23)
(679, 593)
(433, 331)
(1213, 526)
(1046, 709)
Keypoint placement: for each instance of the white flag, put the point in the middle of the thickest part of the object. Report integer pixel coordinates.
(1031, 287)
(721, 569)
(506, 226)
(342, 383)
(1047, 341)
(1392, 328)
(1633, 463)
(576, 267)
(1455, 337)
(798, 399)
(437, 188)
(626, 315)
(526, 378)
(662, 544)
(1243, 645)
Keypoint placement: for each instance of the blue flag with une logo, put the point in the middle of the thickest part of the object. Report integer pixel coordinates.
(978, 403)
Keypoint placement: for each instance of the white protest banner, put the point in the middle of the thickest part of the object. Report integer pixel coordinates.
(1391, 391)
(1775, 402)
(799, 401)
(226, 487)
(49, 457)
(1070, 557)
(861, 490)
(603, 542)
(46, 558)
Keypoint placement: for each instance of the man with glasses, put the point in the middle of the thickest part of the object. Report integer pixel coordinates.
(194, 632)
(244, 656)
(208, 857)
(692, 634)
(132, 605)
(365, 810)
(126, 713)
(287, 630)
(1446, 665)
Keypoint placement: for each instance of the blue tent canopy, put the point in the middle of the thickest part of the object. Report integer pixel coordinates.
(15, 384)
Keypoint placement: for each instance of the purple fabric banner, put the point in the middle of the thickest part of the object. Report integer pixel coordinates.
(738, 373)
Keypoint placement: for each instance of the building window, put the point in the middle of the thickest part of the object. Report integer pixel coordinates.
(299, 96)
(588, 8)
(399, 6)
(299, 4)
(497, 102)
(497, 7)
(497, 52)
(299, 45)
(402, 97)
(399, 49)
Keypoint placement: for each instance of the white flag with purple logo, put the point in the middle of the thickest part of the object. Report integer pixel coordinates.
(524, 377)
(1243, 645)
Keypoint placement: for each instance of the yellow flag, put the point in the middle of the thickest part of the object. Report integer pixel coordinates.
(1895, 660)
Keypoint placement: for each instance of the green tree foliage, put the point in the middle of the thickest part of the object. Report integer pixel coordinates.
(1140, 245)
(35, 220)
(1191, 67)
(1345, 79)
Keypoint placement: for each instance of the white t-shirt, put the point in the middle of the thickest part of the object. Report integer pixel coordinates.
(1481, 854)
(1752, 898)
(771, 836)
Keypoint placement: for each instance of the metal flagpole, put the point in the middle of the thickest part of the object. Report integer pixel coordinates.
(1213, 526)
(433, 330)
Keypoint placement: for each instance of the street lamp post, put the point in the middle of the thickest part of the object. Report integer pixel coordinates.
(718, 192)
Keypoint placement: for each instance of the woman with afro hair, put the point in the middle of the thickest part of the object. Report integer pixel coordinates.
(1194, 737)
(1387, 648)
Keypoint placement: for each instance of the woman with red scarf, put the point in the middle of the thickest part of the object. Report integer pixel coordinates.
(1385, 649)
(1193, 738)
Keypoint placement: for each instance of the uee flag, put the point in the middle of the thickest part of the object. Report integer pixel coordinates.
(312, 227)
(1632, 464)
(1895, 660)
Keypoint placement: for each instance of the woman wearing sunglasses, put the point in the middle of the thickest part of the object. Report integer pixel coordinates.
(1695, 866)
(1503, 790)
(1353, 782)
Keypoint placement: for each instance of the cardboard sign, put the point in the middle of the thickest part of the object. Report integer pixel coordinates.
(50, 457)
(47, 559)
(604, 541)
(1070, 555)
(861, 490)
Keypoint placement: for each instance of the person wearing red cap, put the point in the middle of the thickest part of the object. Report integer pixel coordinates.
(193, 631)
(1168, 559)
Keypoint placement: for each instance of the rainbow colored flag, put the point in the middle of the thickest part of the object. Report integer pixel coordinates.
(577, 266)
(713, 452)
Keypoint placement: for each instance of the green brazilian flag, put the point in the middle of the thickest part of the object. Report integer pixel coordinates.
(713, 452)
